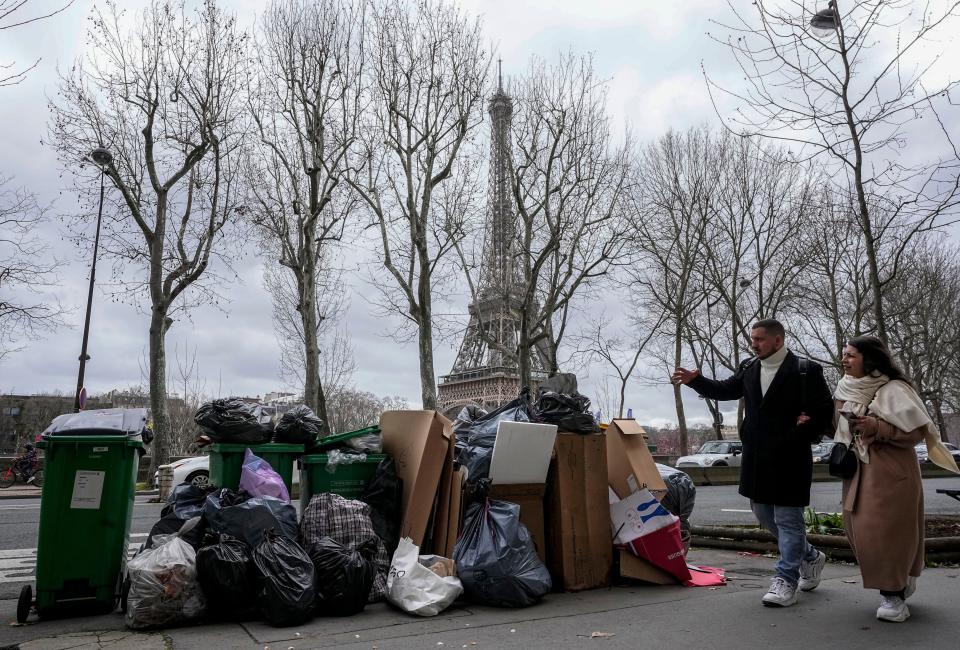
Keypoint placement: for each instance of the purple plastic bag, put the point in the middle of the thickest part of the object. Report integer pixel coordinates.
(260, 480)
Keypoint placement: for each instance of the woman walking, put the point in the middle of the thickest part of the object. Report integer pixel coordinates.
(883, 419)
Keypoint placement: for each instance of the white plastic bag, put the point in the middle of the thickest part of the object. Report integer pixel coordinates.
(164, 589)
(416, 589)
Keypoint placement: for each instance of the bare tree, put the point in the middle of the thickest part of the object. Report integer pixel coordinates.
(854, 96)
(165, 99)
(353, 409)
(926, 329)
(671, 206)
(305, 102)
(618, 351)
(569, 183)
(26, 270)
(13, 14)
(426, 77)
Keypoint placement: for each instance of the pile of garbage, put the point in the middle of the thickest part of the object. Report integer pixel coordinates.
(494, 508)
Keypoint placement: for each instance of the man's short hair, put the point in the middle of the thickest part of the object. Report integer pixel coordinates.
(772, 325)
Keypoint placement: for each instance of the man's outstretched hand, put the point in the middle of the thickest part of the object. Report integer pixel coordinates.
(684, 376)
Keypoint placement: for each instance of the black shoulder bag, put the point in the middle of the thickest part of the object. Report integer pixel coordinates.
(843, 461)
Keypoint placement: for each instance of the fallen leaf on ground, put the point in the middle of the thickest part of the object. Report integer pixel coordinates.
(851, 582)
(748, 554)
(601, 635)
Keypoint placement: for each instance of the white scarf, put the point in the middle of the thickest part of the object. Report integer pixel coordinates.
(895, 402)
(856, 393)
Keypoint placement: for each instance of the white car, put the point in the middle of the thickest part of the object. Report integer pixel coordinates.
(195, 470)
(716, 453)
(923, 455)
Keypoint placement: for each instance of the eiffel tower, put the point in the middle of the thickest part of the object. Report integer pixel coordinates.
(486, 371)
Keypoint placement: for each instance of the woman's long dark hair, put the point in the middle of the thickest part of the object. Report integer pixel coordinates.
(877, 358)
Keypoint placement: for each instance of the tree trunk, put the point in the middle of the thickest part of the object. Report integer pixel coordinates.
(428, 378)
(523, 353)
(160, 454)
(677, 398)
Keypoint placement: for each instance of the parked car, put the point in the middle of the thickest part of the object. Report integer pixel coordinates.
(821, 451)
(923, 457)
(195, 470)
(716, 453)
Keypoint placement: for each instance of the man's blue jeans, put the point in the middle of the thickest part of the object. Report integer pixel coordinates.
(785, 523)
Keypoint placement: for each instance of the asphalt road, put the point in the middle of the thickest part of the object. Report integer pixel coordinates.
(20, 520)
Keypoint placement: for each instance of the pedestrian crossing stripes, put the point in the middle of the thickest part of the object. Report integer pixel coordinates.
(19, 564)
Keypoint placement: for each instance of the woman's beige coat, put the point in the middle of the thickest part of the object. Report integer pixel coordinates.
(883, 510)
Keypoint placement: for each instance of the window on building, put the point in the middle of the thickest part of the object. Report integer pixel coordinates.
(11, 410)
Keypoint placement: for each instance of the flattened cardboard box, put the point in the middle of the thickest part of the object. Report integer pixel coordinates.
(577, 513)
(637, 568)
(629, 463)
(420, 443)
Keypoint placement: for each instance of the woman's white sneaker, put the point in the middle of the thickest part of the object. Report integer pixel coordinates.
(893, 609)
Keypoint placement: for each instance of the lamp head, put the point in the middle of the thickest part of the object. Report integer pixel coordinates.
(825, 22)
(101, 156)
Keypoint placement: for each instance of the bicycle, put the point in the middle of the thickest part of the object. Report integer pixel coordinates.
(12, 474)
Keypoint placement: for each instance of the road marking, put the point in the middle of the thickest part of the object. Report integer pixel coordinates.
(19, 564)
(733, 510)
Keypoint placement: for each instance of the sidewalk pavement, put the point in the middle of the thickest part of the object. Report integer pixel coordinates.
(838, 614)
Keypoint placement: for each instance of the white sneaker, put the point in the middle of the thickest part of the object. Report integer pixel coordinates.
(893, 609)
(810, 572)
(781, 594)
(911, 587)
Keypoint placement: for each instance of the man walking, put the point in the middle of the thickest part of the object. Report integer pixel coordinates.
(787, 406)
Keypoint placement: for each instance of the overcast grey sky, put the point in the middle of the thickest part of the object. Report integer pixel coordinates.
(649, 49)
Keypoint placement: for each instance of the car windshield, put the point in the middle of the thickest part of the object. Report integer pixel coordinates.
(717, 447)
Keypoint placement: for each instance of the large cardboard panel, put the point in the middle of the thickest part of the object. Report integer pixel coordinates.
(637, 568)
(529, 496)
(577, 513)
(521, 452)
(629, 463)
(420, 444)
(441, 514)
(456, 512)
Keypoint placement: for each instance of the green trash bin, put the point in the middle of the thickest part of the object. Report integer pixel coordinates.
(85, 512)
(349, 480)
(226, 461)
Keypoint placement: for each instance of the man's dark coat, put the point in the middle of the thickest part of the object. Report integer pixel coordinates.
(777, 463)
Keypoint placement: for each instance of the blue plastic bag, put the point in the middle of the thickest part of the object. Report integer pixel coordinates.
(259, 479)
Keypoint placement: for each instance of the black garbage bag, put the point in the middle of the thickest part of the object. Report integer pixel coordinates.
(232, 420)
(170, 524)
(467, 416)
(680, 497)
(299, 426)
(384, 495)
(569, 411)
(475, 446)
(225, 571)
(186, 500)
(250, 518)
(285, 580)
(344, 576)
(496, 559)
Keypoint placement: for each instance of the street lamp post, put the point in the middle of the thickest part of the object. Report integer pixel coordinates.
(101, 157)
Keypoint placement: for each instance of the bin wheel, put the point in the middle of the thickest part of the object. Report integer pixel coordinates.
(24, 603)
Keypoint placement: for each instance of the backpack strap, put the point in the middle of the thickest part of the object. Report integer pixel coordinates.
(804, 365)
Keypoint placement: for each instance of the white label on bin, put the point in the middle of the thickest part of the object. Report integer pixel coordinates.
(98, 450)
(87, 490)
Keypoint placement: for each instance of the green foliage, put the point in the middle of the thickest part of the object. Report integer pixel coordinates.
(823, 523)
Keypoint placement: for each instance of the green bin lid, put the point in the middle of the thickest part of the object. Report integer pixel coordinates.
(341, 437)
(263, 447)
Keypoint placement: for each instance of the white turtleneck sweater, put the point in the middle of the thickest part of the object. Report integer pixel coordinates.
(769, 367)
